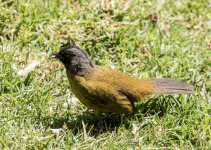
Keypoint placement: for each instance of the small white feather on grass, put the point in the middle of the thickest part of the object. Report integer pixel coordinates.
(30, 67)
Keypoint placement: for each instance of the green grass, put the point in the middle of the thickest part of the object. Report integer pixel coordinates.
(118, 34)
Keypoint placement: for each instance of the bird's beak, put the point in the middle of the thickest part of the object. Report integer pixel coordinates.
(56, 55)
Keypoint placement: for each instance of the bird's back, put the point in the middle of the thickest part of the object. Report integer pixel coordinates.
(132, 87)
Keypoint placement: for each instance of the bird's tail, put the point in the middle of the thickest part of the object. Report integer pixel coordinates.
(170, 86)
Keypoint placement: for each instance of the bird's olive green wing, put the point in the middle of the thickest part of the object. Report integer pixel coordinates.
(106, 98)
(134, 89)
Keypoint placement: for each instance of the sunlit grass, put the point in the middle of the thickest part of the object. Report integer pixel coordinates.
(117, 34)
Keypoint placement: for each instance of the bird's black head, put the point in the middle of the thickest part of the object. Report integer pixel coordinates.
(74, 58)
(66, 54)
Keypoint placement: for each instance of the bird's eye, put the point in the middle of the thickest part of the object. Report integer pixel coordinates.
(73, 55)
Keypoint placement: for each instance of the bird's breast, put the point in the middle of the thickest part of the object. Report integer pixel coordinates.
(77, 85)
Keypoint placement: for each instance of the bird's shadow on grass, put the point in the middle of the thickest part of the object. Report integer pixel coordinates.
(94, 124)
(158, 105)
(90, 123)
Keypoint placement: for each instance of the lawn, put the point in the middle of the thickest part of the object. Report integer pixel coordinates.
(144, 39)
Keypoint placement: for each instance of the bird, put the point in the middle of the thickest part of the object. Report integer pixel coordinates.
(108, 90)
